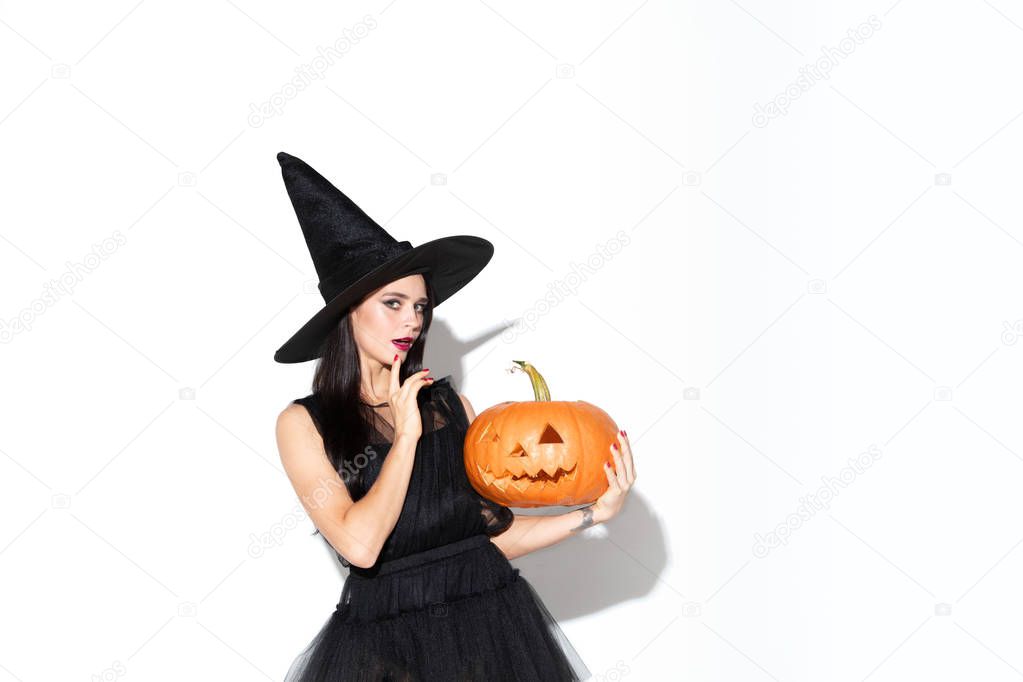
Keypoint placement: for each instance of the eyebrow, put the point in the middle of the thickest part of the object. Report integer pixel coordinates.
(405, 296)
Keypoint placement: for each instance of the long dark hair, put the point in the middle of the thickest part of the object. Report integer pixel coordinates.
(337, 383)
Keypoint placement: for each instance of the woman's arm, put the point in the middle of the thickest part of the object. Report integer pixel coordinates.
(357, 530)
(529, 533)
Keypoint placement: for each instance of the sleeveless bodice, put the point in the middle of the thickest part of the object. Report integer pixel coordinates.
(441, 506)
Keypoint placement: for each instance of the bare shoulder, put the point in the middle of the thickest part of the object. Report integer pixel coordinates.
(294, 414)
(469, 412)
(295, 427)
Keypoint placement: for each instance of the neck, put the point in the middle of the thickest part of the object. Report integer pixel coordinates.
(376, 380)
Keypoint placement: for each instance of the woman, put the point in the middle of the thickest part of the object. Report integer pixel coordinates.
(375, 456)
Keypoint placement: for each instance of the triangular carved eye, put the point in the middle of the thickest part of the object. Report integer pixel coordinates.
(489, 436)
(519, 451)
(549, 435)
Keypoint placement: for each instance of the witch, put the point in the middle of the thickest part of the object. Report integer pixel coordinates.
(375, 456)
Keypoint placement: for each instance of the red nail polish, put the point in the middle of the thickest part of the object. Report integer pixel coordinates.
(425, 369)
(395, 357)
(614, 445)
(625, 433)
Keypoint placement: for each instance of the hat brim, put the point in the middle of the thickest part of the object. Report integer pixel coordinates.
(451, 263)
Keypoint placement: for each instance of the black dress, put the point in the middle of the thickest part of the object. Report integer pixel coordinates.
(442, 602)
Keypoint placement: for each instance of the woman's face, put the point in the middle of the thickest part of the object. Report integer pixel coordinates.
(389, 314)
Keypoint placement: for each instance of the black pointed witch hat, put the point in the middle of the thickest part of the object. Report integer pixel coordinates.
(353, 256)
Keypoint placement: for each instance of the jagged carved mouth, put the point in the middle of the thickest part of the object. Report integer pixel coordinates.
(523, 482)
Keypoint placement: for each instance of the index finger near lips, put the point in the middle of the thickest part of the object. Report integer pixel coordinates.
(395, 371)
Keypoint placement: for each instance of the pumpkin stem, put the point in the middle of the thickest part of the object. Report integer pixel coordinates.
(540, 391)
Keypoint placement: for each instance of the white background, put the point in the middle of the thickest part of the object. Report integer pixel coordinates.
(836, 282)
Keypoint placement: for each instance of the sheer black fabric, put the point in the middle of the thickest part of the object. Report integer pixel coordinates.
(442, 602)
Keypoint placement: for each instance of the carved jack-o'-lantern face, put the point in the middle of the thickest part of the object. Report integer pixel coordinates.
(539, 453)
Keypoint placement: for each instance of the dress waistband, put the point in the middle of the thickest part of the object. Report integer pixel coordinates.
(419, 558)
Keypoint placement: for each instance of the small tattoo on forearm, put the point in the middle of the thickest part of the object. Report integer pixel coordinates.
(586, 522)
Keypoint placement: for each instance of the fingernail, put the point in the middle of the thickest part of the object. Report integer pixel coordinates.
(625, 433)
(425, 369)
(429, 378)
(614, 446)
(395, 357)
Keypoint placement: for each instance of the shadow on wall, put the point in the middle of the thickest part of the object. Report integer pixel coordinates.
(447, 353)
(607, 565)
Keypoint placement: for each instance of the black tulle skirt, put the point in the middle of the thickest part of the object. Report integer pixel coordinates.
(456, 612)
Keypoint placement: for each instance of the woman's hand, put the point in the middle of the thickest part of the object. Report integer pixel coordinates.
(404, 408)
(619, 480)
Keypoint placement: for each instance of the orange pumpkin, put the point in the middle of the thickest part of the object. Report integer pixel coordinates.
(541, 452)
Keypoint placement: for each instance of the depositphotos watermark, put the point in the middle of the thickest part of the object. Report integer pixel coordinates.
(63, 286)
(559, 289)
(814, 72)
(814, 502)
(307, 73)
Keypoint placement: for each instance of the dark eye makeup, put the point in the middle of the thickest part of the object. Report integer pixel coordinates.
(422, 306)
